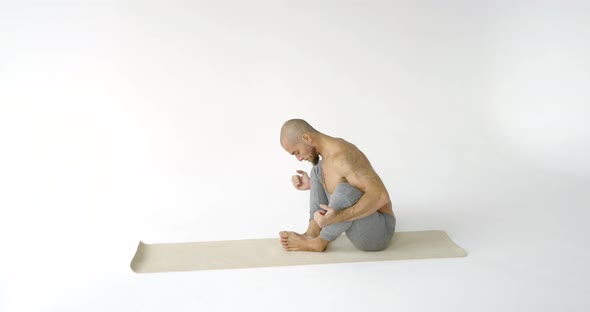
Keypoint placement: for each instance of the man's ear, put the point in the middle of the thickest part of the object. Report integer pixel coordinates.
(306, 138)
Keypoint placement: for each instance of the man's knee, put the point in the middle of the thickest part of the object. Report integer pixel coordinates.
(344, 196)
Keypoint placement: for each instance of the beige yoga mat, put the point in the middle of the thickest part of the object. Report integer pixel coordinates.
(268, 252)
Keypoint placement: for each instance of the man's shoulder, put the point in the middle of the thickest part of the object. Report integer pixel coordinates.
(344, 154)
(346, 159)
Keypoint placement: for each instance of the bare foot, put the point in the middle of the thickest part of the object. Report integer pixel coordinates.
(292, 241)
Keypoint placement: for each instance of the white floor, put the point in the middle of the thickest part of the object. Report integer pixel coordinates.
(526, 235)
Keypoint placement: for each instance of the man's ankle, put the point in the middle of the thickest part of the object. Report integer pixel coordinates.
(311, 235)
(320, 244)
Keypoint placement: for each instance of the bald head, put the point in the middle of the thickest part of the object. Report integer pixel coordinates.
(293, 129)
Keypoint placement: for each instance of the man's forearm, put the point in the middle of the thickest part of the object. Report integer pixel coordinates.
(368, 204)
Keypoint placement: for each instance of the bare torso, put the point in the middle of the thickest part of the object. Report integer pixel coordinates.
(331, 178)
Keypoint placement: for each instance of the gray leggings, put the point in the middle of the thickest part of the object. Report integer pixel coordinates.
(371, 233)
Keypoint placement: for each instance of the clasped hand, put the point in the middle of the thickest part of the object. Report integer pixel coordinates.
(325, 217)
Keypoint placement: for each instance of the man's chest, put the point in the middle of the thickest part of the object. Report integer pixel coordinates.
(330, 177)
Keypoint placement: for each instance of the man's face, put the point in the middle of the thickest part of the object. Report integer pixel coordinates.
(303, 151)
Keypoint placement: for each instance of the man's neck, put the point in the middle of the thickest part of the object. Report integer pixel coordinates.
(322, 146)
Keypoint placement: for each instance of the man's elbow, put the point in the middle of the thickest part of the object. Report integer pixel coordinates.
(379, 196)
(383, 198)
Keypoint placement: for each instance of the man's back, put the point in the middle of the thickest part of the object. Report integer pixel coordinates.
(340, 155)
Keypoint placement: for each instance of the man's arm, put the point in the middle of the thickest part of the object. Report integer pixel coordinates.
(360, 175)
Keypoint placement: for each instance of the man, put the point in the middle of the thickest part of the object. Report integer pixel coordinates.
(346, 195)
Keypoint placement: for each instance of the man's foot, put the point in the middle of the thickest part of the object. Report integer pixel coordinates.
(292, 241)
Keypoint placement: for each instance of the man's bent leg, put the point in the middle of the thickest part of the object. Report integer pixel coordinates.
(344, 196)
(310, 240)
(317, 194)
(317, 197)
(371, 233)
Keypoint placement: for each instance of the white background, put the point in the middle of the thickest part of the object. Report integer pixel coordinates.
(159, 121)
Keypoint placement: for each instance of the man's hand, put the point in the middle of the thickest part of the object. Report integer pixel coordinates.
(325, 217)
(301, 182)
